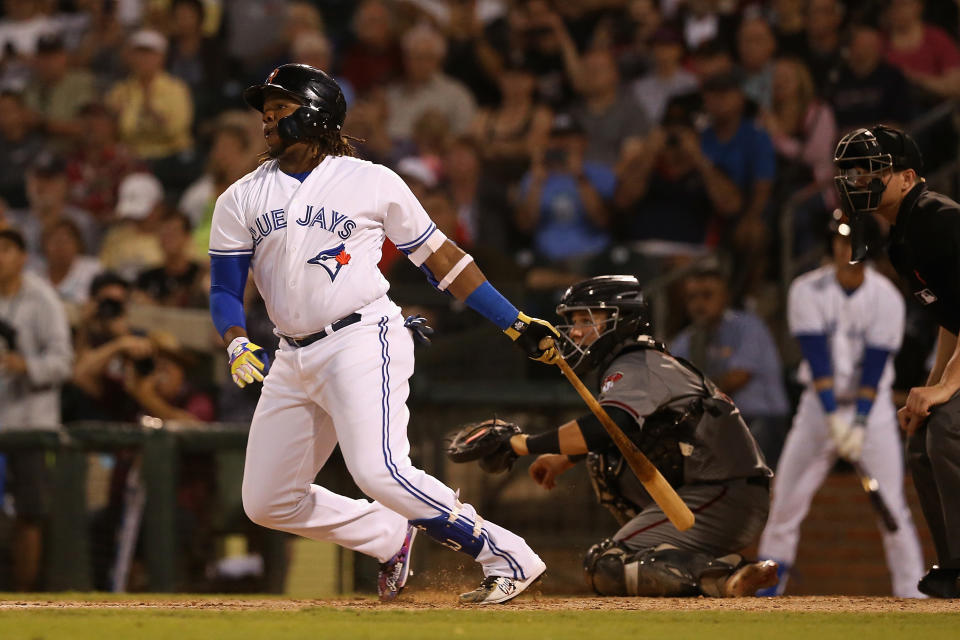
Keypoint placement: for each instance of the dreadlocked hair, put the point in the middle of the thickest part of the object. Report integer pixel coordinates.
(329, 143)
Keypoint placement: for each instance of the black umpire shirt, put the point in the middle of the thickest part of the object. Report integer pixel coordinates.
(925, 250)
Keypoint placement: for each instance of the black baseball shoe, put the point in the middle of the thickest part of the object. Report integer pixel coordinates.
(940, 583)
(497, 589)
(395, 571)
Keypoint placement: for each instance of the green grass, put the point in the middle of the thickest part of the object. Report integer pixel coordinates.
(455, 624)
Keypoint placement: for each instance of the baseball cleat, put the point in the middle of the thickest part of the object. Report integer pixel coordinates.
(940, 583)
(497, 589)
(395, 571)
(750, 578)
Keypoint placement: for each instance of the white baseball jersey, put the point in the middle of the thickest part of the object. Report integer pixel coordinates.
(316, 244)
(872, 315)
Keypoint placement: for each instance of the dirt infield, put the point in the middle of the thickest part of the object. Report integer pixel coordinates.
(533, 602)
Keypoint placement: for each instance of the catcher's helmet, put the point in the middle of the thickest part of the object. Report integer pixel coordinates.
(863, 157)
(323, 106)
(622, 297)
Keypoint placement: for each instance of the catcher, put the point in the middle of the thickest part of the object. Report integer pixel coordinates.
(689, 429)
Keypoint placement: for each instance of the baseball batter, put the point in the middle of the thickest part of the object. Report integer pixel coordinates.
(849, 321)
(310, 222)
(688, 429)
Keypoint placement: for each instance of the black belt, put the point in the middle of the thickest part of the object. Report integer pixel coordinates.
(306, 341)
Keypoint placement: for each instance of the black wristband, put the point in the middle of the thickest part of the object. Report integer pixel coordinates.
(548, 442)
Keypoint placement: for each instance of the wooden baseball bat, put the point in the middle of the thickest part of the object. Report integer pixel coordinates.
(872, 489)
(653, 481)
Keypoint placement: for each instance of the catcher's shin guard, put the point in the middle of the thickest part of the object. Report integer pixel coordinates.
(665, 571)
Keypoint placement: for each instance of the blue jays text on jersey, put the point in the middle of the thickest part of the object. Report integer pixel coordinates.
(267, 223)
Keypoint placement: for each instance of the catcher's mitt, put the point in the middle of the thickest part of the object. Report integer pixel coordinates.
(488, 442)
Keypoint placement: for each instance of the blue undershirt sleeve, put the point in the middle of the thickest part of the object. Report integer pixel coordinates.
(228, 277)
(874, 362)
(816, 351)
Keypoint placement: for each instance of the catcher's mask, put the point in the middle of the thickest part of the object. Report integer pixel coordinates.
(323, 105)
(622, 301)
(864, 158)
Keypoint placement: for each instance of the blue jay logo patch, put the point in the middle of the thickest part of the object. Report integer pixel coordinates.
(332, 260)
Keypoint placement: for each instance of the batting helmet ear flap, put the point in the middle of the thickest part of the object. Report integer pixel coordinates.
(305, 122)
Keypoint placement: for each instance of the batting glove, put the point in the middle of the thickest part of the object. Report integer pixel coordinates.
(852, 446)
(532, 334)
(839, 429)
(245, 366)
(419, 329)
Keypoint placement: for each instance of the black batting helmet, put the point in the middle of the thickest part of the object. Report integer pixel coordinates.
(621, 297)
(323, 106)
(862, 157)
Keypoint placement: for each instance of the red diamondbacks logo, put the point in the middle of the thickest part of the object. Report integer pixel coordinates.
(609, 381)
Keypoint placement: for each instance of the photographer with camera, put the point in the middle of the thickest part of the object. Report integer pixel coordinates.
(672, 197)
(563, 199)
(35, 357)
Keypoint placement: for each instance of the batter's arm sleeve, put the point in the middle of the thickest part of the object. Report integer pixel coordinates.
(883, 339)
(231, 250)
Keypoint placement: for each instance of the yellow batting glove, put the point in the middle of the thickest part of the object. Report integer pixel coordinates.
(538, 338)
(245, 366)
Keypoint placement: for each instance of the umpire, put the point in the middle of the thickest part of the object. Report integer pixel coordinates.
(879, 173)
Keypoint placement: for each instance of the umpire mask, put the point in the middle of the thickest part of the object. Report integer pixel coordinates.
(613, 306)
(864, 157)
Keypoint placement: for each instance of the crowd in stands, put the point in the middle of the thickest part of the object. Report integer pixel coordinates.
(549, 138)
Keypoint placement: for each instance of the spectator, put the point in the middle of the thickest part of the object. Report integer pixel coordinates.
(866, 89)
(180, 281)
(480, 203)
(563, 198)
(231, 157)
(801, 126)
(804, 135)
(670, 191)
(425, 87)
(373, 58)
(635, 58)
(506, 132)
(924, 53)
(254, 30)
(57, 92)
(667, 78)
(736, 351)
(610, 117)
(131, 244)
(65, 265)
(19, 144)
(99, 163)
(163, 390)
(196, 60)
(155, 110)
(712, 58)
(738, 147)
(105, 342)
(822, 51)
(789, 21)
(35, 357)
(22, 27)
(367, 122)
(47, 203)
(314, 48)
(756, 45)
(471, 58)
(101, 47)
(703, 21)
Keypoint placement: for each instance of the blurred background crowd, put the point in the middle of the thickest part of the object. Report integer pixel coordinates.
(554, 140)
